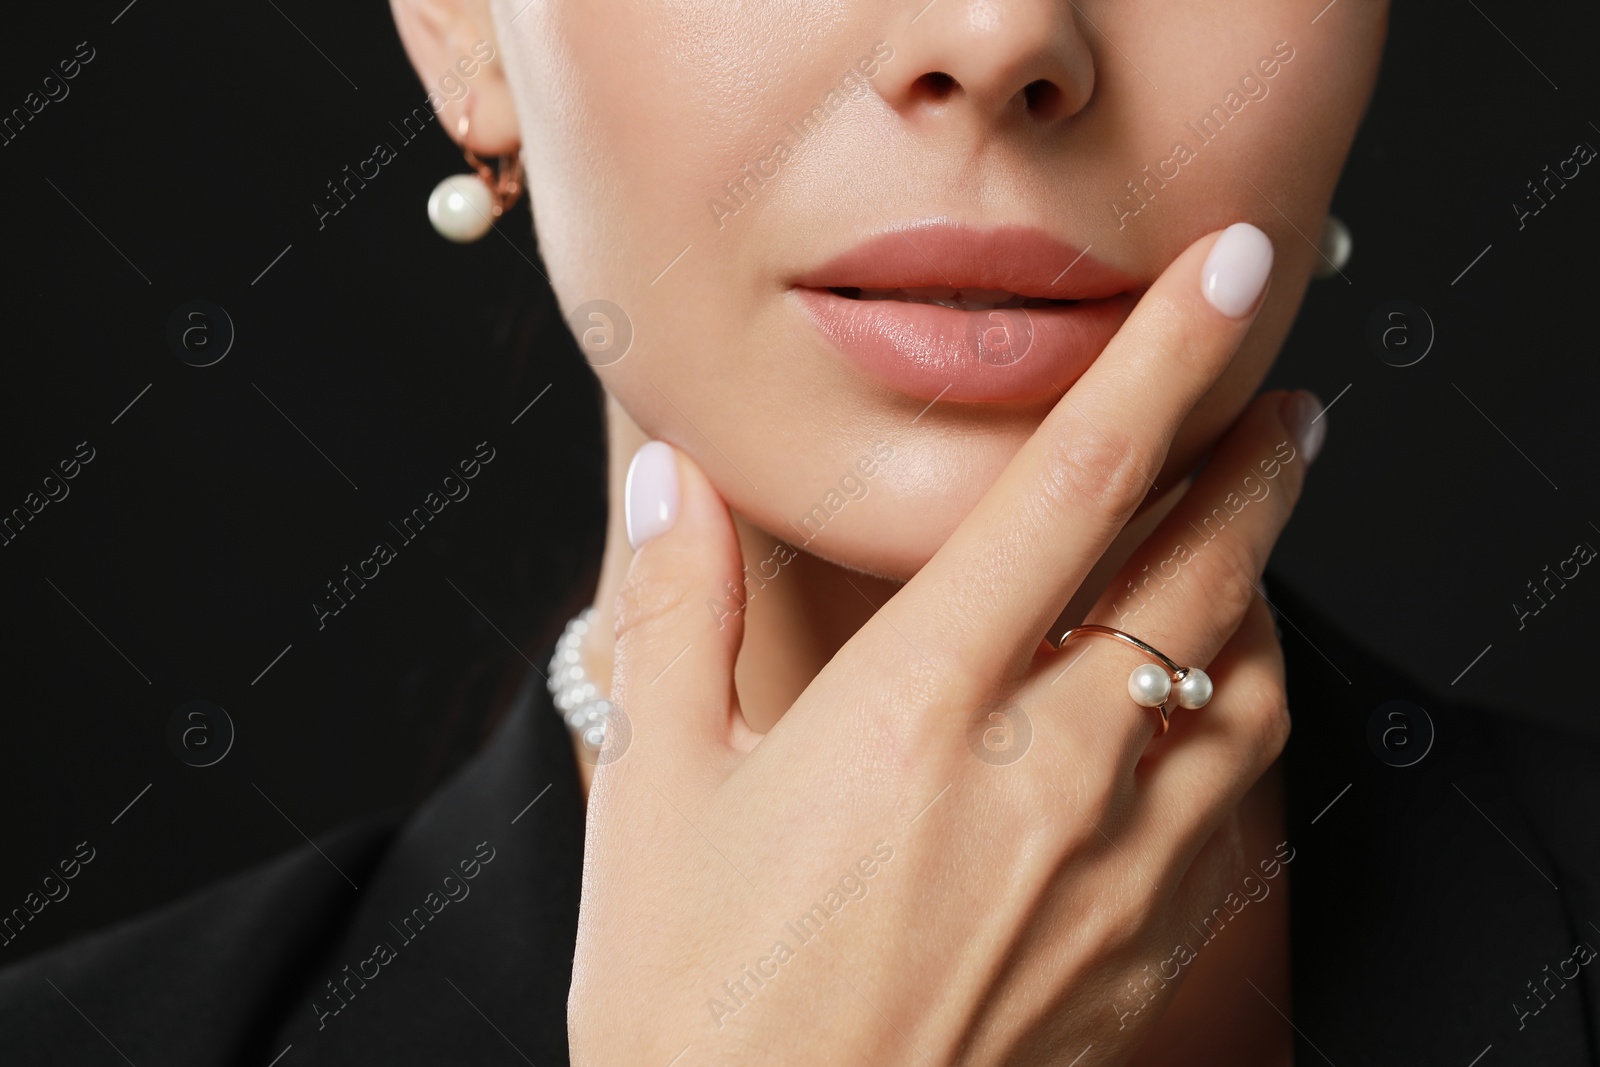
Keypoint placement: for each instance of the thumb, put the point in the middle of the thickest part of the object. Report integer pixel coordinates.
(677, 630)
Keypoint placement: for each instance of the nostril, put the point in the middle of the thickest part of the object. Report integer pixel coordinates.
(1041, 97)
(935, 85)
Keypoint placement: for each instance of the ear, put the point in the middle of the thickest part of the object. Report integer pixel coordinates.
(453, 48)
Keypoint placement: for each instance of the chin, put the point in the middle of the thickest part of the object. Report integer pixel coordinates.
(894, 530)
(911, 504)
(895, 552)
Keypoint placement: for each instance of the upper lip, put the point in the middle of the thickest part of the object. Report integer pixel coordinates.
(939, 252)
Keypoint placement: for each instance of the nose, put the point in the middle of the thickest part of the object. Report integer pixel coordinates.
(1000, 62)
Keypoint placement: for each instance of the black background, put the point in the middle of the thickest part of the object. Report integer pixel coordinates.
(186, 159)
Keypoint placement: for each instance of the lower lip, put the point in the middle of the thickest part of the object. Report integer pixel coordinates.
(928, 351)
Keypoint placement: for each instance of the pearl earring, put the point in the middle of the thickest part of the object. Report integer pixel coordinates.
(464, 207)
(1335, 246)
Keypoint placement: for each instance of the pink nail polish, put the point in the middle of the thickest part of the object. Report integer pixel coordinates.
(650, 499)
(1236, 271)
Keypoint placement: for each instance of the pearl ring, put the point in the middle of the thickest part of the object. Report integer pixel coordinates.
(1152, 684)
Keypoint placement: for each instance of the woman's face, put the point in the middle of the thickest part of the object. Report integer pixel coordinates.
(717, 171)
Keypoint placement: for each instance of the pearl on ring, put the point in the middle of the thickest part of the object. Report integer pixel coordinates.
(461, 208)
(1194, 690)
(1149, 686)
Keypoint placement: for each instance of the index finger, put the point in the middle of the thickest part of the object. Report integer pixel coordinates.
(987, 597)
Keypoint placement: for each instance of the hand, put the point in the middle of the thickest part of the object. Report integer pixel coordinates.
(868, 883)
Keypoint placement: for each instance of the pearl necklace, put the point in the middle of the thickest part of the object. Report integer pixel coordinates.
(576, 698)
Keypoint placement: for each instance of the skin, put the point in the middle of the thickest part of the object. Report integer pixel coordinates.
(630, 117)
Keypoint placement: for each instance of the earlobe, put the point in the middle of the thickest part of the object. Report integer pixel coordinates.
(494, 130)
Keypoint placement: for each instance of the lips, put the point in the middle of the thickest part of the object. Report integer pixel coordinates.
(945, 310)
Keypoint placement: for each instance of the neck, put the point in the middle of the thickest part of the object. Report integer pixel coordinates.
(795, 622)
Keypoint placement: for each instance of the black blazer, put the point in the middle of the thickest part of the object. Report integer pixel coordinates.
(1441, 913)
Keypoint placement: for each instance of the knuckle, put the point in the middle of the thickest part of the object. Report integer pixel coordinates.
(1275, 468)
(1233, 595)
(1223, 581)
(1231, 589)
(1128, 916)
(1294, 469)
(959, 685)
(910, 696)
(1190, 341)
(917, 690)
(1289, 466)
(1097, 471)
(1284, 456)
(1269, 725)
(945, 652)
(1232, 568)
(922, 685)
(645, 602)
(1218, 567)
(1120, 928)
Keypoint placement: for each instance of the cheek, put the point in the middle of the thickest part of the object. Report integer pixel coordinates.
(1240, 158)
(635, 115)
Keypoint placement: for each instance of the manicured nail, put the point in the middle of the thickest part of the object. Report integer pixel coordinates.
(1236, 270)
(1303, 414)
(650, 499)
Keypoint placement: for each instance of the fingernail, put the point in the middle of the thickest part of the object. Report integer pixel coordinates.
(1304, 415)
(1236, 270)
(650, 499)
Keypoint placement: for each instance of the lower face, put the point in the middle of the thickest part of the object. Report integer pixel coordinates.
(776, 226)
